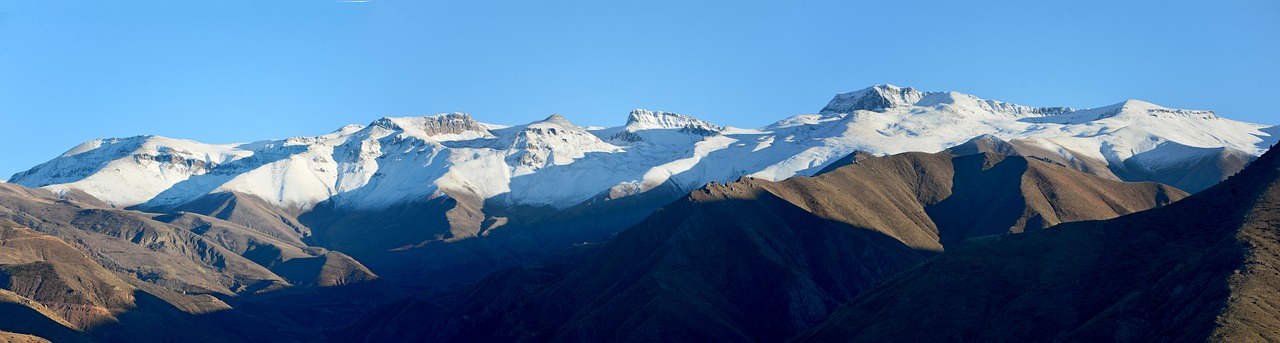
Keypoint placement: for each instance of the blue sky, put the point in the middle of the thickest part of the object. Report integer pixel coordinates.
(229, 71)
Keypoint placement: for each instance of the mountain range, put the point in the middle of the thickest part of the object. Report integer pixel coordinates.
(444, 228)
(756, 260)
(1206, 268)
(398, 160)
(417, 188)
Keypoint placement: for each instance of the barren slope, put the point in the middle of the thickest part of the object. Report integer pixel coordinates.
(1202, 269)
(756, 260)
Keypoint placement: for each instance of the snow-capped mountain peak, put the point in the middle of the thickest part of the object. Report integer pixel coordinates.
(875, 98)
(551, 141)
(440, 127)
(642, 119)
(348, 129)
(1131, 111)
(132, 170)
(962, 103)
(554, 162)
(883, 97)
(555, 119)
(1140, 107)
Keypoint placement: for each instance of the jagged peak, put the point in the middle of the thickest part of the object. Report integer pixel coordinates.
(463, 116)
(875, 98)
(640, 119)
(434, 125)
(388, 123)
(879, 98)
(884, 88)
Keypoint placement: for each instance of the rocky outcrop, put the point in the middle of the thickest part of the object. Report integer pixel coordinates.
(441, 124)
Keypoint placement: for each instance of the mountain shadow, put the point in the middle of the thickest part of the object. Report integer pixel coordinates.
(755, 260)
(1206, 268)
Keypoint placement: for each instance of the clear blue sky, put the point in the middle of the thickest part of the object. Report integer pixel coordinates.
(228, 71)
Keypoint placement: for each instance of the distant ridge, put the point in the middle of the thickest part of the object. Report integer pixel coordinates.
(393, 161)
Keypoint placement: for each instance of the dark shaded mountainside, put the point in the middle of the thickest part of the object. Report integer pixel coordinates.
(755, 260)
(1206, 268)
(464, 238)
(74, 269)
(1197, 171)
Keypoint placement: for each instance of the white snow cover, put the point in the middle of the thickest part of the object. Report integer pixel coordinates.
(641, 119)
(554, 162)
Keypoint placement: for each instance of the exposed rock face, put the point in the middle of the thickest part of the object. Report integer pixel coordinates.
(442, 124)
(1202, 269)
(552, 141)
(650, 121)
(641, 119)
(73, 165)
(875, 98)
(881, 97)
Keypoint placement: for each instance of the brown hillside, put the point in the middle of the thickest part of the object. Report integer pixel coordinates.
(761, 261)
(1203, 269)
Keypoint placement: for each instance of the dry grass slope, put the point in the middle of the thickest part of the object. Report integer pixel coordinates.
(1202, 269)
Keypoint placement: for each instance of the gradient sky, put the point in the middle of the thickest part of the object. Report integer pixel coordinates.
(231, 71)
